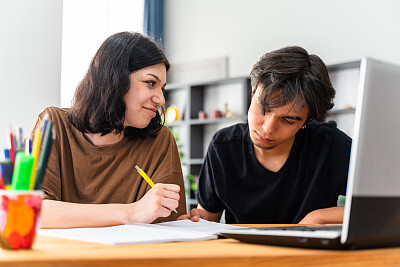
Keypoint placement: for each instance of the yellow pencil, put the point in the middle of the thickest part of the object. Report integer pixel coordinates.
(36, 145)
(35, 154)
(147, 178)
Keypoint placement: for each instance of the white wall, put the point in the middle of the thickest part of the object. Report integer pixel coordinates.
(86, 24)
(243, 30)
(30, 61)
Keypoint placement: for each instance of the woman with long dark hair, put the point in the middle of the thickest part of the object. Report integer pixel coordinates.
(114, 124)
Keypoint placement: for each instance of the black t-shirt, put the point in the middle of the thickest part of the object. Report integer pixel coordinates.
(315, 173)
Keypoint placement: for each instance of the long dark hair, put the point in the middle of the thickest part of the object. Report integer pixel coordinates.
(98, 105)
(291, 75)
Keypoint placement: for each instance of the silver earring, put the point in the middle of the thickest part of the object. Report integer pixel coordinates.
(303, 127)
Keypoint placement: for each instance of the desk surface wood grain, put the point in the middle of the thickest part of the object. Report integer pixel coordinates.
(50, 251)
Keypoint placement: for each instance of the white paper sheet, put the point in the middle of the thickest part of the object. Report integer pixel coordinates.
(202, 226)
(138, 233)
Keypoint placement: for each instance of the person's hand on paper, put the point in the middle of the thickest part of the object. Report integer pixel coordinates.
(159, 201)
(200, 213)
(194, 215)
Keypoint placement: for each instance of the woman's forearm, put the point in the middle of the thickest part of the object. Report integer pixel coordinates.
(59, 214)
(159, 201)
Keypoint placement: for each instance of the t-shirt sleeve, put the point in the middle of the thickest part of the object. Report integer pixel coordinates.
(207, 195)
(340, 158)
(51, 178)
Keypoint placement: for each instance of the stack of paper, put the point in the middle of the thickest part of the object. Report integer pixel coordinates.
(139, 233)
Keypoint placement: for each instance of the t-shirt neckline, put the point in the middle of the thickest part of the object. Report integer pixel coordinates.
(285, 166)
(107, 149)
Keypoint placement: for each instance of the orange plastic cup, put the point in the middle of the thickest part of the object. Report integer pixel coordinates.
(19, 218)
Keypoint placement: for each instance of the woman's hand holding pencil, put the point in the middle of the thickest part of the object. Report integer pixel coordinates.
(159, 201)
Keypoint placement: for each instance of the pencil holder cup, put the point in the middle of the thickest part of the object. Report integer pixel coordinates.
(19, 218)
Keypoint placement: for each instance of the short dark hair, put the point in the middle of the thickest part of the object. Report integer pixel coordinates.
(291, 75)
(98, 104)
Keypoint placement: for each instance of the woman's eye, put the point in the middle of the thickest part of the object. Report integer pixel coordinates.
(152, 83)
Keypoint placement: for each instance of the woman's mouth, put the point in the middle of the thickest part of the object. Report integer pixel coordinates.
(151, 111)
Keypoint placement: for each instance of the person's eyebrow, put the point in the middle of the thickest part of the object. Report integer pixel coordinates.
(295, 118)
(156, 77)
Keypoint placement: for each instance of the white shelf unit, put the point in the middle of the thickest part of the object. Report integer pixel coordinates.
(345, 80)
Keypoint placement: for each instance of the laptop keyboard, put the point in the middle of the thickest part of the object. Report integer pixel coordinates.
(309, 228)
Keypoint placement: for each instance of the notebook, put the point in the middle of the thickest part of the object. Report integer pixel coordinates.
(141, 233)
(372, 209)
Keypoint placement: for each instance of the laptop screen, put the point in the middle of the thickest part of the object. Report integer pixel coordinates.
(373, 189)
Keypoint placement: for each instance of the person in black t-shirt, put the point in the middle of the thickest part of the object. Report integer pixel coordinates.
(285, 165)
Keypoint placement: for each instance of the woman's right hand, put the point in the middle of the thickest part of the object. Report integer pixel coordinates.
(159, 201)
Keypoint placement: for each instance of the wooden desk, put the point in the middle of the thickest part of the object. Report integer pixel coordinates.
(50, 251)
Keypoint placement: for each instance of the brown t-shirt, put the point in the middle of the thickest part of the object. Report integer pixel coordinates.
(80, 172)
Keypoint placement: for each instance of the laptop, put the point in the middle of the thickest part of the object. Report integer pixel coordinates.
(372, 208)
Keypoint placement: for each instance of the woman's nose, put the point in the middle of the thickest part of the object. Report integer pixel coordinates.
(158, 99)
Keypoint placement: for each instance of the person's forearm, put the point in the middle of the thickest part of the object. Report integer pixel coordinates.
(324, 216)
(59, 214)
